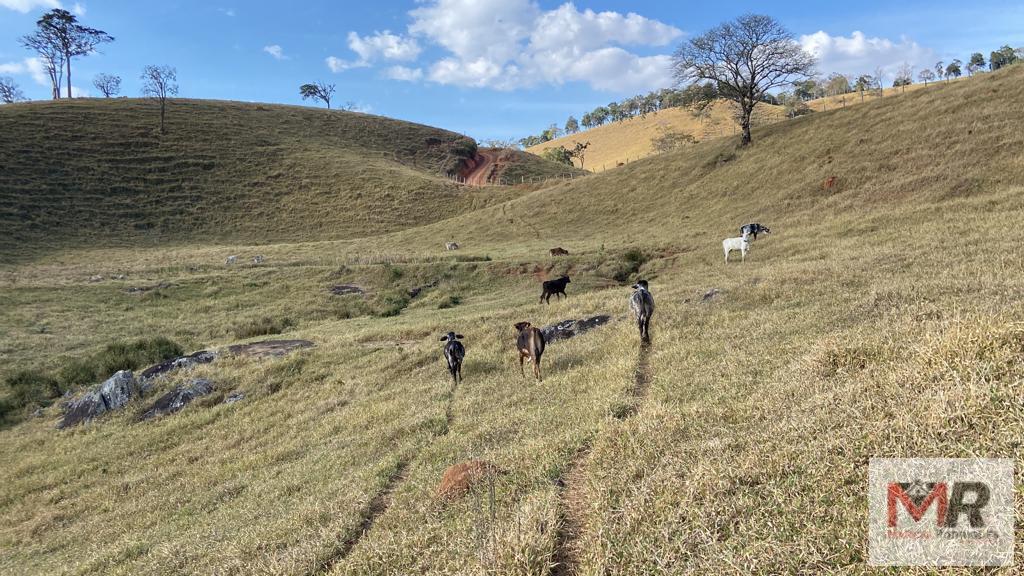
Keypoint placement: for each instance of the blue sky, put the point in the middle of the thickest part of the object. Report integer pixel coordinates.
(487, 68)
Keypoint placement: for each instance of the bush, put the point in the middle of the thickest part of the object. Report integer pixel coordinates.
(392, 303)
(261, 327)
(117, 356)
(28, 388)
(449, 302)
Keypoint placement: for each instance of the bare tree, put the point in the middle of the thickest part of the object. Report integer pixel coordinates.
(46, 47)
(904, 76)
(318, 91)
(926, 76)
(9, 91)
(108, 84)
(579, 151)
(61, 32)
(159, 83)
(745, 58)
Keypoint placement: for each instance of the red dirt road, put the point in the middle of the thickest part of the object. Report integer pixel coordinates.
(481, 173)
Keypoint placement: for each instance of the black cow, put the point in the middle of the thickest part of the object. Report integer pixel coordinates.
(555, 287)
(454, 352)
(753, 230)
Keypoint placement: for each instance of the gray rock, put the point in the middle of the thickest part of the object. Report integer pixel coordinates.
(346, 289)
(178, 398)
(112, 394)
(570, 328)
(118, 389)
(234, 397)
(201, 357)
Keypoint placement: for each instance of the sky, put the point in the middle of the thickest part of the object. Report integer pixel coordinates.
(491, 69)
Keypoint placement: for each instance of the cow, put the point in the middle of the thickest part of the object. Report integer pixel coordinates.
(555, 287)
(559, 252)
(642, 304)
(753, 230)
(454, 353)
(451, 246)
(530, 343)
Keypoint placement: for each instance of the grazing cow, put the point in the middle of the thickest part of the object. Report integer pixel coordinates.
(753, 230)
(530, 344)
(454, 352)
(555, 287)
(451, 246)
(642, 304)
(231, 260)
(742, 244)
(559, 252)
(258, 260)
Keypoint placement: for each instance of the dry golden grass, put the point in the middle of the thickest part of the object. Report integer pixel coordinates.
(746, 455)
(630, 140)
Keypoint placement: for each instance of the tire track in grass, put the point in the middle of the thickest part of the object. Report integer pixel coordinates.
(380, 503)
(377, 506)
(570, 497)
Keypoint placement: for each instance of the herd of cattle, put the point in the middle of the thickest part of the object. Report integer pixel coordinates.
(530, 340)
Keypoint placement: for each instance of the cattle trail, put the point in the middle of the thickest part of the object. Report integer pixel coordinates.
(570, 514)
(641, 382)
(377, 506)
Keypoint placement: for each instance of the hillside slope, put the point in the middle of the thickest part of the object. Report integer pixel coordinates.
(98, 171)
(883, 317)
(630, 140)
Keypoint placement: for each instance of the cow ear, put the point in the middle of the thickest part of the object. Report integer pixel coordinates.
(458, 336)
(443, 338)
(635, 286)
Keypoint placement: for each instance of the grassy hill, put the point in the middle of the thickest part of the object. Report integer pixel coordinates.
(881, 318)
(98, 172)
(630, 140)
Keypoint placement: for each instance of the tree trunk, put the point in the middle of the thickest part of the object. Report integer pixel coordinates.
(69, 74)
(745, 124)
(163, 107)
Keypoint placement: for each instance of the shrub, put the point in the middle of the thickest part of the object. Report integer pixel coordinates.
(261, 327)
(117, 356)
(449, 302)
(392, 303)
(28, 388)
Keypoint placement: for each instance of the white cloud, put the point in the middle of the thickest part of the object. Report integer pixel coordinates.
(12, 68)
(25, 6)
(383, 45)
(339, 65)
(858, 54)
(510, 44)
(276, 51)
(229, 12)
(79, 92)
(78, 9)
(404, 74)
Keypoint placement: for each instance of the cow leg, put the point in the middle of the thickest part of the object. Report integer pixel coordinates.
(521, 370)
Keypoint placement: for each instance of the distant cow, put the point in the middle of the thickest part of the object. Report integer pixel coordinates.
(530, 343)
(454, 353)
(753, 230)
(742, 244)
(451, 246)
(642, 304)
(555, 287)
(559, 252)
(258, 259)
(231, 260)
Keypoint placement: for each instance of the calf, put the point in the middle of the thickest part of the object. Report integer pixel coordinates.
(231, 260)
(559, 251)
(530, 344)
(742, 244)
(451, 246)
(258, 259)
(454, 352)
(753, 230)
(555, 287)
(642, 304)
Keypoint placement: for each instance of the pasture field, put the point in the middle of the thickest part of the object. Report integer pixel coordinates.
(883, 317)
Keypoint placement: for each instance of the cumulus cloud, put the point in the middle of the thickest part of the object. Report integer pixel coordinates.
(404, 73)
(78, 9)
(509, 44)
(34, 67)
(12, 68)
(377, 46)
(859, 54)
(276, 51)
(25, 6)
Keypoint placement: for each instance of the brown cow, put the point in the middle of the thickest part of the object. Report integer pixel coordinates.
(530, 344)
(559, 251)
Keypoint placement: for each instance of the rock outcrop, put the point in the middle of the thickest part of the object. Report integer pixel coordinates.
(112, 394)
(570, 328)
(178, 398)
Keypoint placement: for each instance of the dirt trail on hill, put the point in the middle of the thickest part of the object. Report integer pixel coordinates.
(481, 173)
